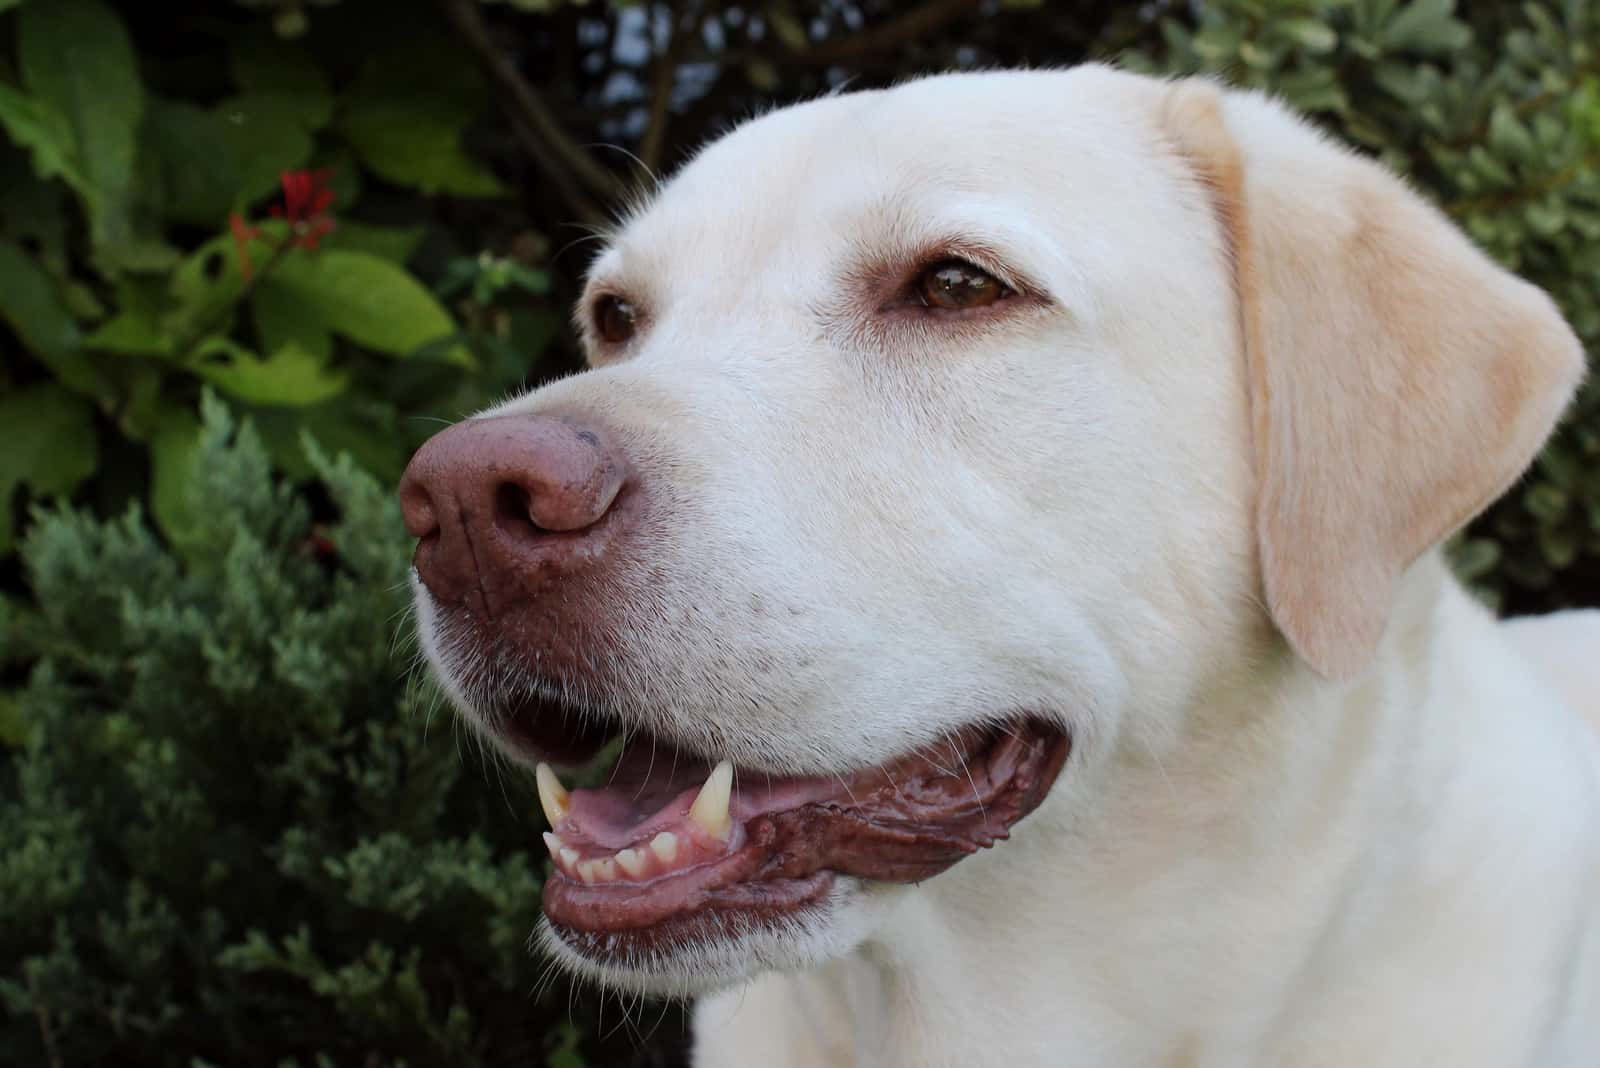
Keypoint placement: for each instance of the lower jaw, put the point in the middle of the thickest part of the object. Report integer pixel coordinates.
(725, 915)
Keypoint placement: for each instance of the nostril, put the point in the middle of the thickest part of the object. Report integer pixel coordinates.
(417, 510)
(513, 510)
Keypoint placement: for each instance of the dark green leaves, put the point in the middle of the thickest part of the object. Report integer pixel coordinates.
(49, 445)
(78, 64)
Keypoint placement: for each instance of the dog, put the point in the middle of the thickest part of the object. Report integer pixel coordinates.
(998, 534)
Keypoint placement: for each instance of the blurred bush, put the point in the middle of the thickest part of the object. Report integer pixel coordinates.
(233, 828)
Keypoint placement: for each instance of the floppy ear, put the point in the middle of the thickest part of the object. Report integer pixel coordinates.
(1399, 379)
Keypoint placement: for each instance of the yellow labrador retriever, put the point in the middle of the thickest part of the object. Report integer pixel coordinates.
(1000, 525)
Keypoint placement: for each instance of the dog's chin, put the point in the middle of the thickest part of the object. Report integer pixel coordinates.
(722, 952)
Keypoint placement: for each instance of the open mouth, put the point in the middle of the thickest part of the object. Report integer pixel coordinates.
(674, 847)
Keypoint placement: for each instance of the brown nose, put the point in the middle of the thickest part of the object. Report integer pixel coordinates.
(500, 504)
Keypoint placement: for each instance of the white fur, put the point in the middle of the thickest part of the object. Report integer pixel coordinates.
(874, 531)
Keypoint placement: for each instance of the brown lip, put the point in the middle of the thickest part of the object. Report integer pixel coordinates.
(900, 822)
(730, 913)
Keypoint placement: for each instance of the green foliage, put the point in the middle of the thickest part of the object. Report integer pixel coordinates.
(233, 828)
(147, 254)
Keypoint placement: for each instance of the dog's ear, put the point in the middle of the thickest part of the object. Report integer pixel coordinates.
(1399, 379)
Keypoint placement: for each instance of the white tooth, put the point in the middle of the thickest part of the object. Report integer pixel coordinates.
(586, 870)
(605, 870)
(665, 846)
(569, 858)
(552, 795)
(632, 862)
(710, 808)
(554, 843)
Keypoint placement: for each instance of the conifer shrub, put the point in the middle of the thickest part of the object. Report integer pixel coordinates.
(234, 829)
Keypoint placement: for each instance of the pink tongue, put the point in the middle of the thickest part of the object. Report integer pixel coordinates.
(613, 817)
(616, 816)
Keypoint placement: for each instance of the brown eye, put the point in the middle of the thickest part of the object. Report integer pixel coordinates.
(956, 284)
(614, 320)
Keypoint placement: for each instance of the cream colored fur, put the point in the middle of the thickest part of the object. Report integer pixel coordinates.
(1322, 809)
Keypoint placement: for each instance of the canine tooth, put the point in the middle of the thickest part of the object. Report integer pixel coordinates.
(569, 858)
(552, 795)
(605, 869)
(631, 861)
(554, 843)
(710, 808)
(665, 846)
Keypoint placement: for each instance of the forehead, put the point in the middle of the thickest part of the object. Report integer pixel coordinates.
(967, 154)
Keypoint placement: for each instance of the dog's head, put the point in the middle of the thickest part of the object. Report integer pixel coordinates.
(939, 441)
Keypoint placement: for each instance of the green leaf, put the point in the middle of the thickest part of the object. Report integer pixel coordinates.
(50, 445)
(28, 302)
(290, 377)
(763, 75)
(1509, 137)
(394, 243)
(136, 328)
(264, 64)
(1426, 26)
(1545, 502)
(32, 211)
(1558, 465)
(404, 117)
(1314, 36)
(196, 166)
(418, 144)
(268, 135)
(369, 300)
(1560, 545)
(282, 320)
(45, 133)
(1313, 90)
(534, 281)
(1546, 217)
(788, 29)
(13, 727)
(1475, 557)
(172, 452)
(76, 58)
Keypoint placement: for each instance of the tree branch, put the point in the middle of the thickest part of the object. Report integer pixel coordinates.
(663, 78)
(47, 1033)
(577, 176)
(892, 34)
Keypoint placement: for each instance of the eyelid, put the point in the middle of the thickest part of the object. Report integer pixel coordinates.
(980, 259)
(978, 254)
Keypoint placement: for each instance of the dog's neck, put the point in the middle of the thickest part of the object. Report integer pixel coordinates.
(1211, 900)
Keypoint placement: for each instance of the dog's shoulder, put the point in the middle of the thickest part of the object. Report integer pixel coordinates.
(1564, 647)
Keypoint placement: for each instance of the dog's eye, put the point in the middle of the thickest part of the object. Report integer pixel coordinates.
(956, 284)
(614, 320)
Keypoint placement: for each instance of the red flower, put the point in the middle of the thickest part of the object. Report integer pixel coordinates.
(306, 200)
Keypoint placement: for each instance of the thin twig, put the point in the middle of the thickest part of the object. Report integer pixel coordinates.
(575, 174)
(664, 77)
(890, 35)
(47, 1034)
